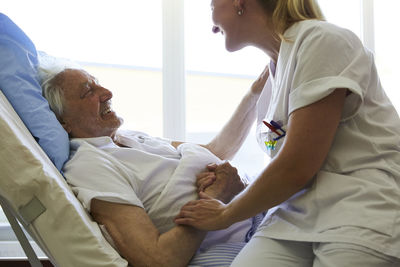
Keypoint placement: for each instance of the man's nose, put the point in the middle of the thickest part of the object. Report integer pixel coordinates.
(105, 94)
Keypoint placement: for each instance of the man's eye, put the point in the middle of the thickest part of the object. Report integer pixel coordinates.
(88, 93)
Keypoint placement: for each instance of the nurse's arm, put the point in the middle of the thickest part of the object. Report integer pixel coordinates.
(139, 241)
(310, 134)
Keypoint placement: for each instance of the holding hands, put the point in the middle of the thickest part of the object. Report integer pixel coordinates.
(221, 182)
(216, 186)
(205, 214)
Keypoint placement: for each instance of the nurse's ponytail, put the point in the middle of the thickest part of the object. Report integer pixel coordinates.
(285, 13)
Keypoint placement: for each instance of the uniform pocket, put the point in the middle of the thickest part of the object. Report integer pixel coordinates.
(270, 137)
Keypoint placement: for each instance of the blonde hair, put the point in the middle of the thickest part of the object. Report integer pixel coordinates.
(287, 12)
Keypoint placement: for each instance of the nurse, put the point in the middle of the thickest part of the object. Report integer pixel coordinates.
(332, 188)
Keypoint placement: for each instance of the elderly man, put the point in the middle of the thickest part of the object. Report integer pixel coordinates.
(134, 184)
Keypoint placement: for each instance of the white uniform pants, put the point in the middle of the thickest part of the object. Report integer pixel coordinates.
(266, 252)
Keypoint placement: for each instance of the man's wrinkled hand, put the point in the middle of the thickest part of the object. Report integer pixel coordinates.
(206, 178)
(226, 184)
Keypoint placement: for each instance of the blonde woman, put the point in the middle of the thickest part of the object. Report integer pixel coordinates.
(332, 188)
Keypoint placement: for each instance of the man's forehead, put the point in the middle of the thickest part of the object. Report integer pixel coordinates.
(73, 78)
(74, 74)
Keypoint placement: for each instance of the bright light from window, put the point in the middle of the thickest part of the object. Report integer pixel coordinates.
(387, 47)
(124, 32)
(216, 81)
(121, 39)
(344, 13)
(205, 51)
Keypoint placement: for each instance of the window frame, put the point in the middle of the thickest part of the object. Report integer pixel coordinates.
(174, 101)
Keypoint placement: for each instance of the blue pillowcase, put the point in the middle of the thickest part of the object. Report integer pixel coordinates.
(19, 82)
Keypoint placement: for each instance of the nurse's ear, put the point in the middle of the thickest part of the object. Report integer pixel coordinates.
(239, 5)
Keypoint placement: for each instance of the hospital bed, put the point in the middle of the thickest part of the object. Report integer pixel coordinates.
(33, 193)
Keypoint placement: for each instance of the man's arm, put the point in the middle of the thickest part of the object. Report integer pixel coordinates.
(139, 241)
(228, 141)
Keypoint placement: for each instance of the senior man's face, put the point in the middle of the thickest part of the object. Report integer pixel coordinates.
(87, 106)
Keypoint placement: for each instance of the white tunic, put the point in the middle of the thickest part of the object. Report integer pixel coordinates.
(148, 173)
(355, 197)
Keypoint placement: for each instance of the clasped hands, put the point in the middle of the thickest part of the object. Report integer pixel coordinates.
(216, 187)
(220, 181)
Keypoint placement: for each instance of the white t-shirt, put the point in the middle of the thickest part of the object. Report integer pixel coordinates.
(149, 173)
(355, 197)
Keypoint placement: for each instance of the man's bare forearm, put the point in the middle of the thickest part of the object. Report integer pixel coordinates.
(180, 244)
(138, 240)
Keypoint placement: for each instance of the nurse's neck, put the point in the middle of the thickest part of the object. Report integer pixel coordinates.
(271, 47)
(275, 47)
(263, 34)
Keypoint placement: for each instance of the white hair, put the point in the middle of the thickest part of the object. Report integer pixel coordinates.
(48, 69)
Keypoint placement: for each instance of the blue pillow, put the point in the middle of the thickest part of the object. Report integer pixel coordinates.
(19, 82)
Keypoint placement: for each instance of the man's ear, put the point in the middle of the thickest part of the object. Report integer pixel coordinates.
(65, 126)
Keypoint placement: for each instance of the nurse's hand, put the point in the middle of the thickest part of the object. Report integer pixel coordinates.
(205, 214)
(258, 84)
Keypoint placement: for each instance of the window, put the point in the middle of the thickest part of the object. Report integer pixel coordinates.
(346, 14)
(121, 42)
(216, 81)
(387, 47)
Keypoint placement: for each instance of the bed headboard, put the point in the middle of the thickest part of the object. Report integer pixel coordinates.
(43, 202)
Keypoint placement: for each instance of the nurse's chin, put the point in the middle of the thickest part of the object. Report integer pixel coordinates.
(233, 47)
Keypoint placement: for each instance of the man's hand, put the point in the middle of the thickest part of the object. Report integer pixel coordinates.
(218, 185)
(221, 182)
(206, 178)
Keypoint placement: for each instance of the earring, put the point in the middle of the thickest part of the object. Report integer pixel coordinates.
(240, 12)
